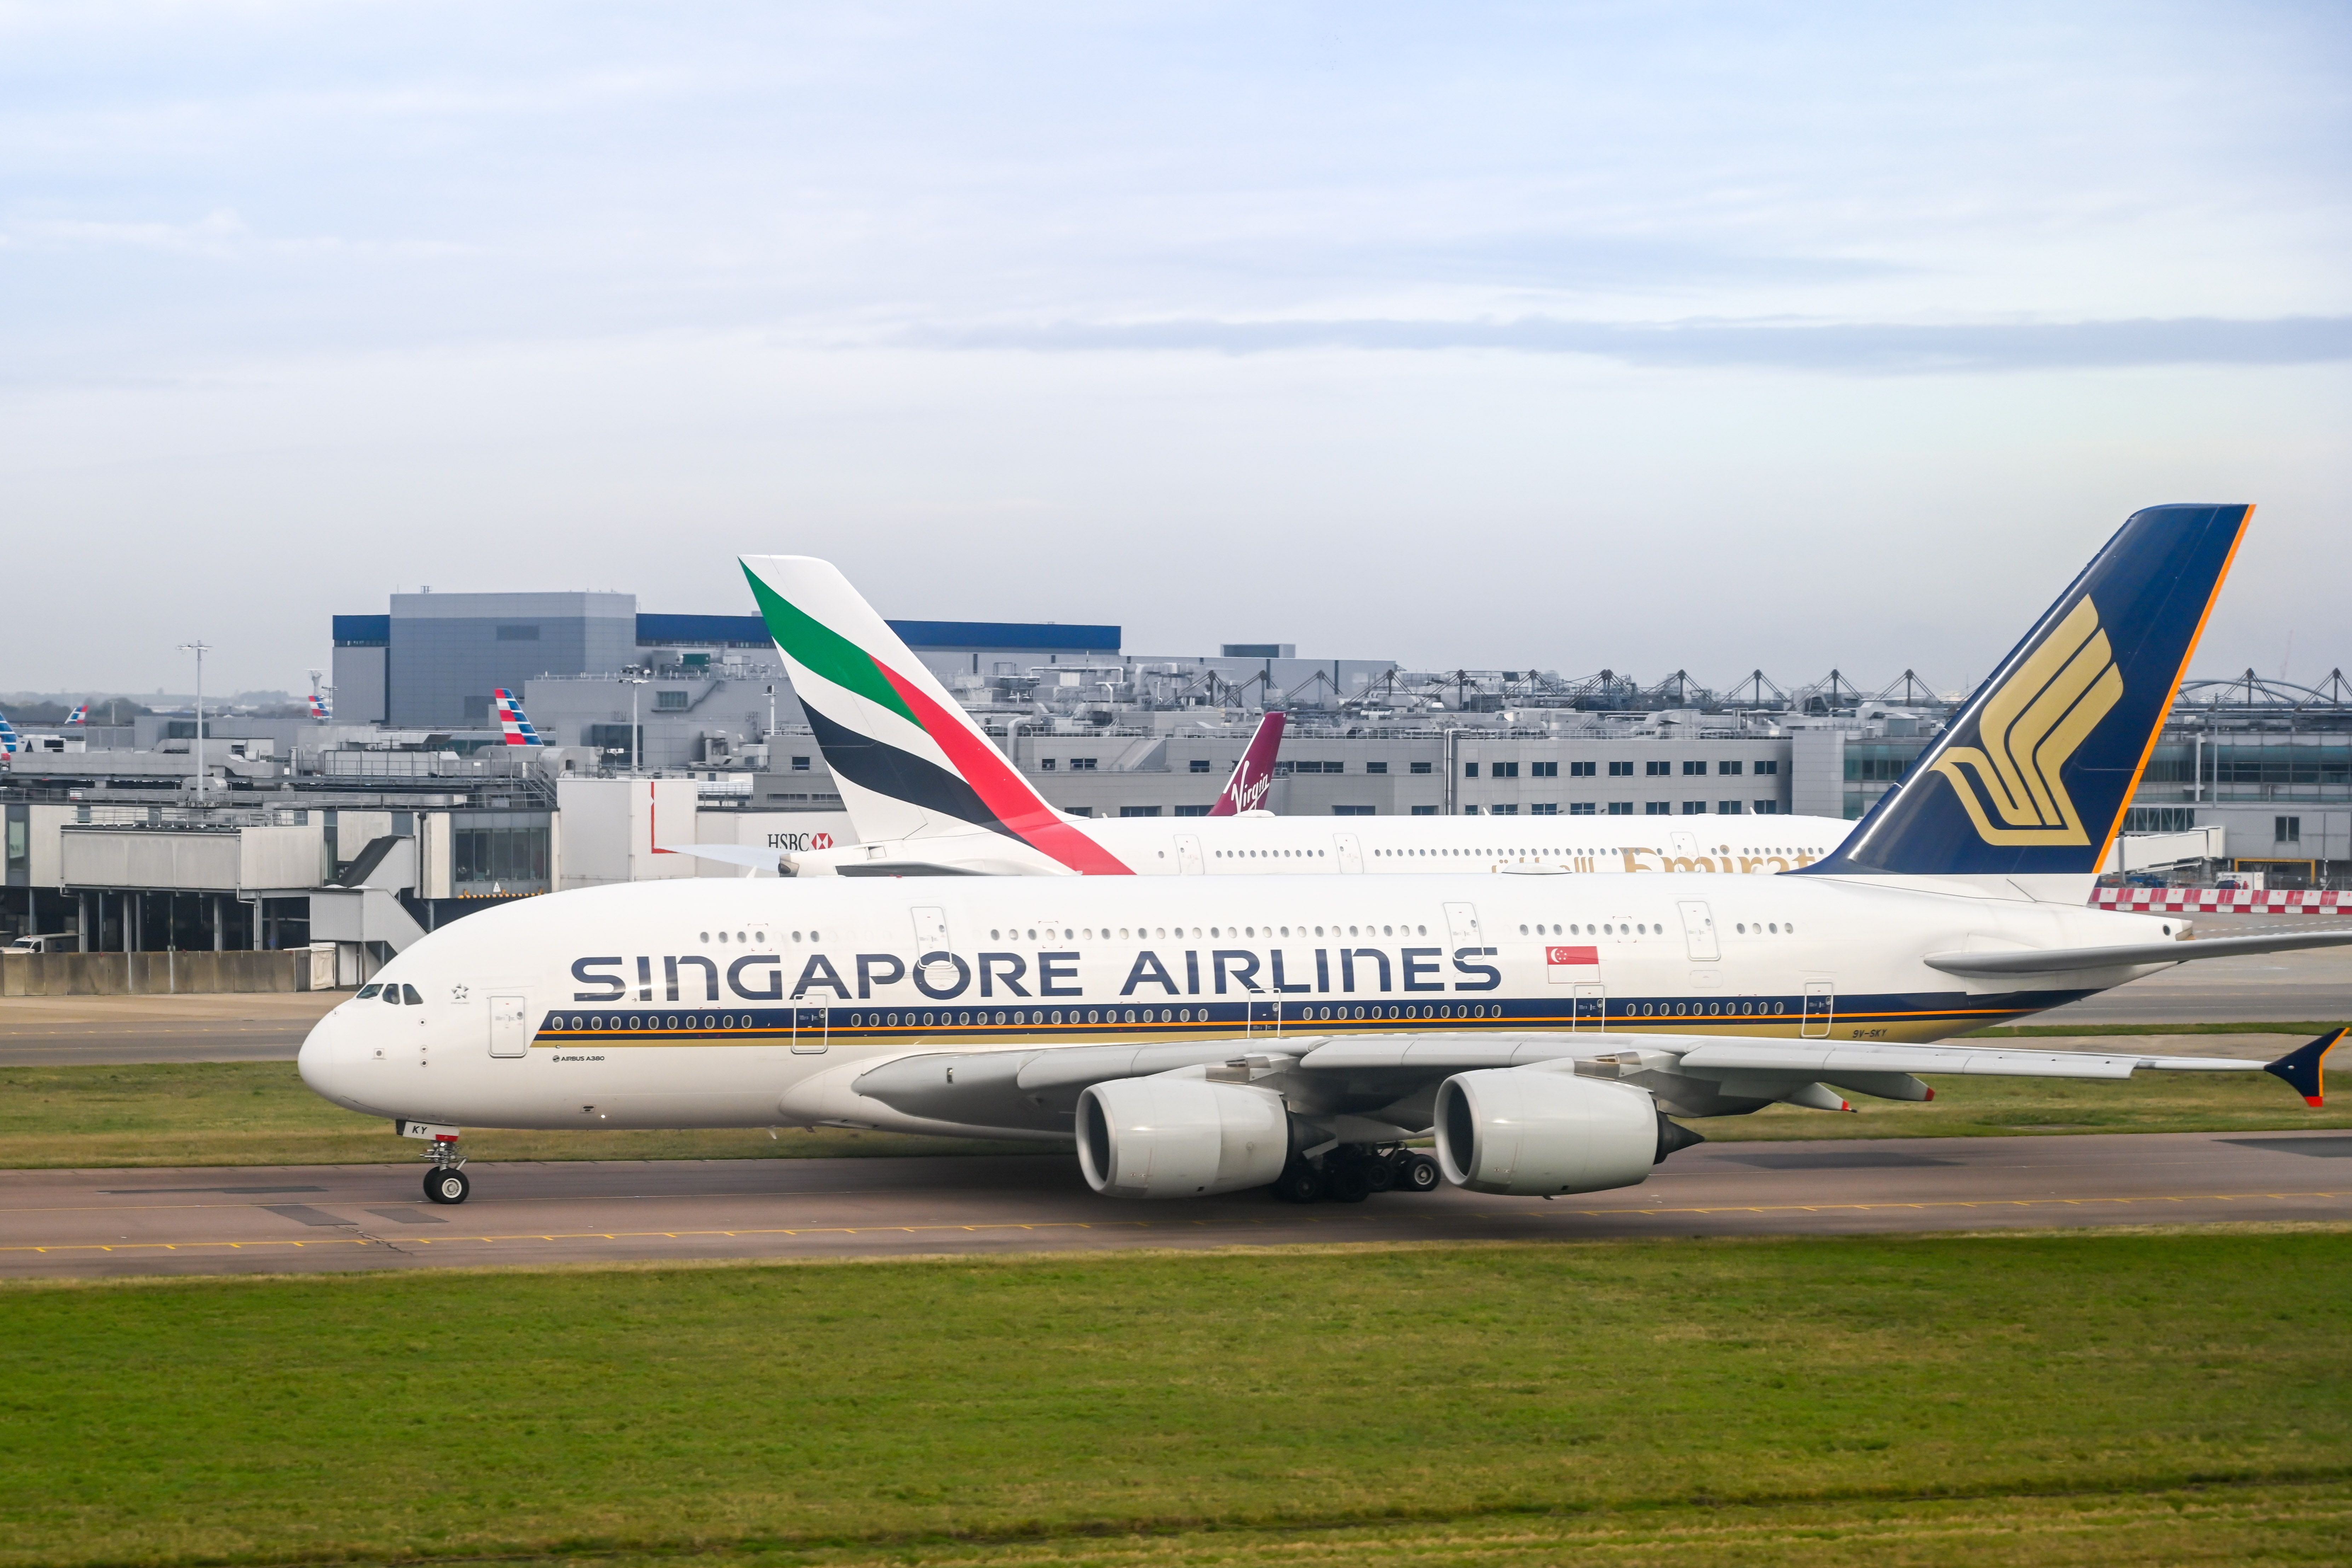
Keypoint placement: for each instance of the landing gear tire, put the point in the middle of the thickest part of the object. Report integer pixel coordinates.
(1348, 1184)
(1301, 1185)
(1420, 1174)
(446, 1186)
(1380, 1174)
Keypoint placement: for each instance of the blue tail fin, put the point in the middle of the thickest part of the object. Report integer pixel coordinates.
(2032, 775)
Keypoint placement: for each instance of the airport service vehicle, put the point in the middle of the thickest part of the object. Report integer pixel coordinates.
(930, 793)
(48, 941)
(1200, 1035)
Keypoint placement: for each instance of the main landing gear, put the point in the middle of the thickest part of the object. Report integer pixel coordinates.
(1351, 1175)
(446, 1182)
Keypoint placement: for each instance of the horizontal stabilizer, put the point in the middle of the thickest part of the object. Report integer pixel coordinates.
(2058, 960)
(2302, 1068)
(732, 854)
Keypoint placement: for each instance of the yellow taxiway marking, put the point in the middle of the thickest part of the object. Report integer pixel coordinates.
(816, 1230)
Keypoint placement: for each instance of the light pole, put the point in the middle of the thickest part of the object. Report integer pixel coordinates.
(632, 682)
(199, 648)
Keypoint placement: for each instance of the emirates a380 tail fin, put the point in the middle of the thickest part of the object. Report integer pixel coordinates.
(1254, 775)
(910, 762)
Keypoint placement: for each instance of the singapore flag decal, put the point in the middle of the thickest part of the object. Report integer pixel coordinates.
(1564, 965)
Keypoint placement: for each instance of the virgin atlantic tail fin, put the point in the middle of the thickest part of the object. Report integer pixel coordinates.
(1254, 775)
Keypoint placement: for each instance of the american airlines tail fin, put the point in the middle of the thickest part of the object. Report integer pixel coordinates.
(80, 714)
(9, 744)
(512, 719)
(1254, 775)
(319, 708)
(2031, 777)
(909, 761)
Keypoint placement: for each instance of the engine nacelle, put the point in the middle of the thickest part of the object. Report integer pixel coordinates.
(1507, 1130)
(1179, 1137)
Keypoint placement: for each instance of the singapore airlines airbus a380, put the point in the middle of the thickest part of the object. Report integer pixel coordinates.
(1198, 1035)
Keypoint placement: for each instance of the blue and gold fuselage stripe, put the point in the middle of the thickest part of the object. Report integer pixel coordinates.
(1916, 1016)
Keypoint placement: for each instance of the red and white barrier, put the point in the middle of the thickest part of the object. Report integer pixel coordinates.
(2219, 901)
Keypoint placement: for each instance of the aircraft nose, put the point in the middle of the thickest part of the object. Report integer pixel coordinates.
(329, 1056)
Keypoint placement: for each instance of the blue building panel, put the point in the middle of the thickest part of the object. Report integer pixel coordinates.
(936, 637)
(362, 631)
(947, 637)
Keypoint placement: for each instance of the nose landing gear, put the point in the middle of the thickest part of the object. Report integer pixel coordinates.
(448, 1186)
(446, 1182)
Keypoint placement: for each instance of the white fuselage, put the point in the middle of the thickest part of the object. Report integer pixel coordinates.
(1259, 845)
(750, 1002)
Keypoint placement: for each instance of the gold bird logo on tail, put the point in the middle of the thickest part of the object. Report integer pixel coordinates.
(2008, 783)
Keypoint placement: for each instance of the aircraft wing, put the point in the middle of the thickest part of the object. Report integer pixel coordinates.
(1015, 1087)
(2057, 960)
(1829, 1061)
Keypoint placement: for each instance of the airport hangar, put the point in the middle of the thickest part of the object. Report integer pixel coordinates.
(406, 810)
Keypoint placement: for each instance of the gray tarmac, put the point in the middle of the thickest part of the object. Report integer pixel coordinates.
(336, 1218)
(112, 1031)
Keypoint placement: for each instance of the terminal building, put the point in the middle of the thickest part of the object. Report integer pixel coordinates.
(406, 810)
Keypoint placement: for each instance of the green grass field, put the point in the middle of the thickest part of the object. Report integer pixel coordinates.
(259, 1113)
(2108, 1398)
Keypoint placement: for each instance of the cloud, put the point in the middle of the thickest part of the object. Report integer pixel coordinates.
(1860, 347)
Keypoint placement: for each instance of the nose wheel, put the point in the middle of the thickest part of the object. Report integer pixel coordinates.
(446, 1182)
(448, 1186)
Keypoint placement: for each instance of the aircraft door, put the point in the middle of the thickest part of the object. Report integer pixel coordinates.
(1821, 1006)
(510, 1026)
(1188, 854)
(1461, 923)
(1589, 1007)
(1684, 844)
(932, 942)
(1351, 852)
(810, 1031)
(1699, 930)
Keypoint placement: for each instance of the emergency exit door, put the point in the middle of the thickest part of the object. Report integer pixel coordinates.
(1699, 931)
(510, 1026)
(1821, 1006)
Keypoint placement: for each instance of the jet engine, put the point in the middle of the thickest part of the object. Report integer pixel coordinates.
(1507, 1130)
(1179, 1137)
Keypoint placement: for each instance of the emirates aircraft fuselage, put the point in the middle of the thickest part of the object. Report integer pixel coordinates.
(756, 1002)
(1260, 844)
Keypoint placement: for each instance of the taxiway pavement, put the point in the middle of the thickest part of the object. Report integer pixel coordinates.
(212, 1220)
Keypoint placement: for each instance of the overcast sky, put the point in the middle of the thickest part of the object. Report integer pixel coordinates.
(1645, 336)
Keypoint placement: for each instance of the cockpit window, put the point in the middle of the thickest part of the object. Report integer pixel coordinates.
(391, 995)
(368, 991)
(408, 995)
